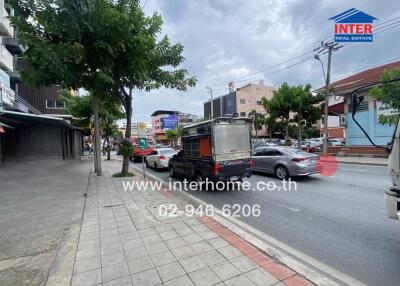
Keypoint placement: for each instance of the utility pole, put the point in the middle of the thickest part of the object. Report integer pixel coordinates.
(327, 47)
(211, 101)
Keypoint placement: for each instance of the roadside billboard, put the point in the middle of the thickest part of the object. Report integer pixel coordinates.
(169, 121)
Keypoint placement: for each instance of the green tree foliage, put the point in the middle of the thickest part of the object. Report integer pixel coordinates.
(258, 120)
(388, 94)
(174, 134)
(107, 47)
(280, 105)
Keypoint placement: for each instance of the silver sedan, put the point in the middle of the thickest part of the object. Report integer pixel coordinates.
(159, 158)
(285, 161)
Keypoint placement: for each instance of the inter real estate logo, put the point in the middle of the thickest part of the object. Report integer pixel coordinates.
(353, 26)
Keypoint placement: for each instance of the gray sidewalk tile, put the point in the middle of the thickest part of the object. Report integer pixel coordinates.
(244, 264)
(169, 234)
(204, 277)
(261, 277)
(123, 281)
(132, 243)
(139, 264)
(212, 257)
(84, 244)
(183, 252)
(89, 235)
(87, 278)
(150, 239)
(192, 263)
(163, 228)
(208, 234)
(240, 280)
(162, 258)
(200, 228)
(175, 242)
(200, 247)
(226, 270)
(114, 271)
(110, 247)
(147, 231)
(170, 271)
(185, 231)
(149, 278)
(84, 265)
(192, 238)
(217, 242)
(136, 252)
(177, 225)
(156, 247)
(87, 253)
(180, 281)
(229, 252)
(192, 221)
(112, 258)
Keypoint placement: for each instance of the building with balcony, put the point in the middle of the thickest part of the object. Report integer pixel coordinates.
(241, 102)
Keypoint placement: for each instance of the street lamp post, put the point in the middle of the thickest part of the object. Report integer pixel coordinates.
(211, 100)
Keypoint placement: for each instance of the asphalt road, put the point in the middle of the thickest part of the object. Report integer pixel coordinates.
(339, 220)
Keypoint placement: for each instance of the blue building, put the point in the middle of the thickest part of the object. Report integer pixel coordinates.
(367, 112)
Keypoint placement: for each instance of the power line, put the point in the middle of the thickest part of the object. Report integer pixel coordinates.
(144, 5)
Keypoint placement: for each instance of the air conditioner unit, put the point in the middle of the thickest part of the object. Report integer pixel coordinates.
(342, 120)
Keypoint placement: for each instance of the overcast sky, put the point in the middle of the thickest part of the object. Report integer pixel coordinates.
(232, 39)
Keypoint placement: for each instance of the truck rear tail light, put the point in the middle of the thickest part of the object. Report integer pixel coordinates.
(299, 159)
(251, 163)
(162, 157)
(216, 168)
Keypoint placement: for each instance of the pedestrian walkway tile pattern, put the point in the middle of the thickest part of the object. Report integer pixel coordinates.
(122, 244)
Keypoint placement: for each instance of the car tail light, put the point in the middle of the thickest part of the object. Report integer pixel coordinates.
(251, 163)
(299, 159)
(162, 157)
(216, 168)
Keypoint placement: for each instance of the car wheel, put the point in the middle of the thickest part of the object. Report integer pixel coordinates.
(281, 172)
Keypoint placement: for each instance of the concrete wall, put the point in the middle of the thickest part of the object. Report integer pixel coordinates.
(380, 134)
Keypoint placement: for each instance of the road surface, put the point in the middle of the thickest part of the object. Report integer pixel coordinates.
(339, 220)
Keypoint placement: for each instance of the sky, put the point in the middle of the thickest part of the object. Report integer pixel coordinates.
(229, 40)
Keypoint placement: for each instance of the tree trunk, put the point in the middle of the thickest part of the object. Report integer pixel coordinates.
(299, 132)
(108, 149)
(97, 141)
(128, 131)
(287, 131)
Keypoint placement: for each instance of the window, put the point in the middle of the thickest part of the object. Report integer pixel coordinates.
(242, 114)
(258, 102)
(242, 101)
(229, 103)
(55, 104)
(259, 152)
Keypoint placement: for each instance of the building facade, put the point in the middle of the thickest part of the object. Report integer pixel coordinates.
(241, 102)
(368, 111)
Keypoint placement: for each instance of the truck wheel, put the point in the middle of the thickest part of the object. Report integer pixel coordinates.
(172, 172)
(281, 172)
(199, 180)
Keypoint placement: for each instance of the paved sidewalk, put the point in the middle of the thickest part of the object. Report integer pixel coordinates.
(362, 160)
(124, 242)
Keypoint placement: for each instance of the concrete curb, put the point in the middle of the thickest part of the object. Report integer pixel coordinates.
(292, 258)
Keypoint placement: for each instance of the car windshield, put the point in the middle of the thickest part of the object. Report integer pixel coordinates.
(166, 151)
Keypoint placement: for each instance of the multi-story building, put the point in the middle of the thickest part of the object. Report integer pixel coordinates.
(135, 131)
(241, 102)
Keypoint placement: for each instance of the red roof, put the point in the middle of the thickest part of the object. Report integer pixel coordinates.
(366, 77)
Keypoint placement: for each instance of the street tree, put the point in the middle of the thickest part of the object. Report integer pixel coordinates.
(388, 93)
(306, 108)
(107, 47)
(258, 120)
(174, 135)
(280, 105)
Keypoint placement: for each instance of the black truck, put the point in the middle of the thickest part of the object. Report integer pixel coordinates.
(217, 149)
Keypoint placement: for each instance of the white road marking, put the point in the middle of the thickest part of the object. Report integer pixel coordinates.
(289, 208)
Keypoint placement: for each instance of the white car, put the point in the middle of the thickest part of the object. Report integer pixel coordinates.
(159, 158)
(336, 142)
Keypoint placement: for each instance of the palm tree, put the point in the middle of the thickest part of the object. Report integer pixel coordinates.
(258, 120)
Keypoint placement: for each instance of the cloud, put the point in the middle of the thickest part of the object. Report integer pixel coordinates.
(227, 40)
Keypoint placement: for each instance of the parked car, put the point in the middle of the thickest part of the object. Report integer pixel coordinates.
(138, 153)
(262, 144)
(310, 146)
(217, 150)
(159, 158)
(285, 162)
(335, 142)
